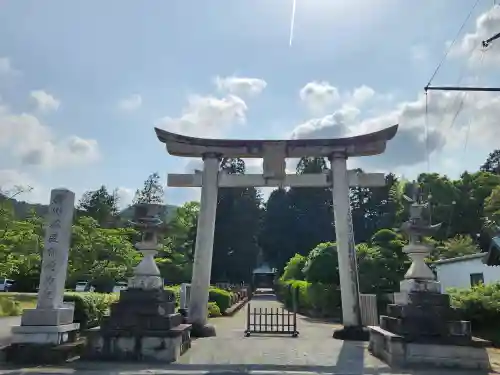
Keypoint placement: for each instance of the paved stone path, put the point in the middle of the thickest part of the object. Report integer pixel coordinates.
(5, 327)
(313, 352)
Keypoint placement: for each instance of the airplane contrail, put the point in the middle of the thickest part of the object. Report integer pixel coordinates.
(292, 21)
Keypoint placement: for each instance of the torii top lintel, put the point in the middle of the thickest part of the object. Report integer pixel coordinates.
(361, 145)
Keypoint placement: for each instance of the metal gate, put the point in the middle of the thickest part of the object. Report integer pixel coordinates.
(271, 321)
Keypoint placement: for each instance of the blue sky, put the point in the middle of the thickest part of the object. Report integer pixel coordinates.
(82, 84)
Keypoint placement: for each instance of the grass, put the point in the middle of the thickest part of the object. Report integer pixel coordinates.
(12, 304)
(25, 300)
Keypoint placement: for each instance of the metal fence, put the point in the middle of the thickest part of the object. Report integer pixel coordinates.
(271, 321)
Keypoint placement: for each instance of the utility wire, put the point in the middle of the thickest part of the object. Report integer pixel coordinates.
(432, 77)
(453, 42)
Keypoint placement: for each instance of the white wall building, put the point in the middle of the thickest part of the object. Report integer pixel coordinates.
(465, 271)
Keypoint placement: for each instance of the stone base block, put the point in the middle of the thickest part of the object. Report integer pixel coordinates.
(352, 333)
(148, 347)
(415, 285)
(47, 317)
(396, 352)
(422, 299)
(43, 354)
(51, 335)
(200, 330)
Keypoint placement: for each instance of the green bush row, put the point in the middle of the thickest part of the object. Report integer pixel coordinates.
(311, 298)
(479, 304)
(90, 307)
(223, 298)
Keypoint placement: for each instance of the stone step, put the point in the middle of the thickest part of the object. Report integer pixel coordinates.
(24, 354)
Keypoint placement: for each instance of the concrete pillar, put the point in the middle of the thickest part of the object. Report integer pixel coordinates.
(202, 266)
(348, 270)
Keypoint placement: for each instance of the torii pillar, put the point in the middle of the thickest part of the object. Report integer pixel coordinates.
(274, 154)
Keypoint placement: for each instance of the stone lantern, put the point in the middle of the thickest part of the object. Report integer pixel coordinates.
(420, 327)
(147, 221)
(143, 324)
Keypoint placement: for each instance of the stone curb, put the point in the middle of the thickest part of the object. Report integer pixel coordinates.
(236, 307)
(159, 371)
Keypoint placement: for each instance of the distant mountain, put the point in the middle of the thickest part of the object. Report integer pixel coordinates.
(23, 209)
(167, 213)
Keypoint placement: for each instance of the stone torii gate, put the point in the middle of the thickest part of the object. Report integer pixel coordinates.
(274, 154)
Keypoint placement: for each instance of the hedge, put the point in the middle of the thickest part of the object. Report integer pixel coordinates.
(221, 297)
(90, 307)
(313, 298)
(479, 304)
(213, 310)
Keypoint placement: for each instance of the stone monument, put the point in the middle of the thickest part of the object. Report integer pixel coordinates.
(420, 328)
(184, 296)
(143, 324)
(50, 324)
(274, 154)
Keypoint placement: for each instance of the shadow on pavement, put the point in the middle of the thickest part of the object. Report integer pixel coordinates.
(263, 297)
(320, 320)
(350, 361)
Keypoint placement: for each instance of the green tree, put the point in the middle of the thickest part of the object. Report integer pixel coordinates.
(152, 191)
(311, 210)
(237, 225)
(382, 263)
(457, 246)
(182, 229)
(100, 255)
(492, 163)
(100, 205)
(276, 236)
(492, 207)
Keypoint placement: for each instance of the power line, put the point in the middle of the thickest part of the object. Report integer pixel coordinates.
(453, 42)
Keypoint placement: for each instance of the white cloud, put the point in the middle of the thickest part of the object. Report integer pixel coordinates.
(419, 53)
(361, 95)
(319, 96)
(207, 116)
(241, 86)
(33, 143)
(44, 101)
(130, 103)
(410, 147)
(470, 46)
(125, 196)
(6, 67)
(33, 192)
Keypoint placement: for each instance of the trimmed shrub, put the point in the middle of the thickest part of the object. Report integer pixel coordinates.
(294, 267)
(322, 264)
(479, 304)
(213, 310)
(221, 297)
(90, 307)
(312, 298)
